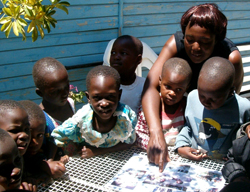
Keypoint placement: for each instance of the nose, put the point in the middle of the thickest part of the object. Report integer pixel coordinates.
(196, 46)
(172, 93)
(104, 103)
(24, 136)
(33, 142)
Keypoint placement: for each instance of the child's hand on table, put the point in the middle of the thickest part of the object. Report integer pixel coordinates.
(57, 168)
(88, 152)
(28, 186)
(192, 154)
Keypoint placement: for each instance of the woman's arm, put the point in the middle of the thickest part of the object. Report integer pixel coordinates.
(236, 60)
(157, 148)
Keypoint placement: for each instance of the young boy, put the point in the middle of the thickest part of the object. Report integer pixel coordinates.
(52, 84)
(126, 55)
(35, 162)
(174, 81)
(213, 113)
(10, 163)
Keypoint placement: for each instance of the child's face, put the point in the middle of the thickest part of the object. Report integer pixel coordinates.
(16, 123)
(10, 165)
(212, 96)
(104, 96)
(124, 57)
(199, 43)
(57, 89)
(37, 130)
(173, 86)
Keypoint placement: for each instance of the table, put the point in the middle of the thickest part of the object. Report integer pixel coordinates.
(91, 175)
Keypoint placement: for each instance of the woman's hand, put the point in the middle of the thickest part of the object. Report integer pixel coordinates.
(157, 151)
(192, 154)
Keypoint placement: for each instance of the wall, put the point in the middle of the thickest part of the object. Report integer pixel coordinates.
(80, 38)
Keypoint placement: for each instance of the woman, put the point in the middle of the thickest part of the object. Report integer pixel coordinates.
(203, 36)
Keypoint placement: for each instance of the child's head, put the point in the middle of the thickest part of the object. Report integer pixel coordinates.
(10, 163)
(174, 80)
(14, 120)
(51, 80)
(126, 55)
(103, 90)
(208, 16)
(215, 82)
(37, 126)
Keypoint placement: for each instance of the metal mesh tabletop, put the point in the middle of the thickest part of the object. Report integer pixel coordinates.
(94, 173)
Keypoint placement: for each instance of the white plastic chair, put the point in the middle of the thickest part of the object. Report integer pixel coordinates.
(148, 57)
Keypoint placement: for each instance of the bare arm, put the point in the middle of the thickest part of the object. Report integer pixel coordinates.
(157, 148)
(236, 60)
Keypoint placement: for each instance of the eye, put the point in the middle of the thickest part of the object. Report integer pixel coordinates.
(112, 52)
(189, 40)
(124, 53)
(179, 90)
(40, 135)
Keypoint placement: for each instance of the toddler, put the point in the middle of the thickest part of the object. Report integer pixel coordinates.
(10, 163)
(35, 162)
(126, 55)
(213, 114)
(104, 124)
(52, 84)
(174, 81)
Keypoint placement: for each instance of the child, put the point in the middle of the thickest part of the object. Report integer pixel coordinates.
(35, 162)
(174, 81)
(10, 163)
(126, 55)
(14, 120)
(213, 113)
(103, 125)
(52, 84)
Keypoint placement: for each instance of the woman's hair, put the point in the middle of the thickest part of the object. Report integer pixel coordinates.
(208, 16)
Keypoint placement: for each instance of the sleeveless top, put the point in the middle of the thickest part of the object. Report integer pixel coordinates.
(221, 49)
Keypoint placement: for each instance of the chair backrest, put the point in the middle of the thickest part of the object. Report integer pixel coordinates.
(148, 57)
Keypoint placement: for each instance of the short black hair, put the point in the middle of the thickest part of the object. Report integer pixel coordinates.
(6, 105)
(218, 69)
(136, 42)
(179, 66)
(105, 71)
(43, 67)
(34, 111)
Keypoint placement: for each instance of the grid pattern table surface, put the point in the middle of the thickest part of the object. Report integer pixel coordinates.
(91, 175)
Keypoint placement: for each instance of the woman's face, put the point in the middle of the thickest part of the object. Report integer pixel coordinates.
(199, 43)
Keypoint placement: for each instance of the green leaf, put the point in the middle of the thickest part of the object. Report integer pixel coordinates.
(31, 26)
(5, 19)
(34, 35)
(28, 11)
(46, 25)
(40, 31)
(51, 13)
(62, 8)
(65, 3)
(4, 1)
(7, 31)
(6, 25)
(22, 22)
(17, 11)
(7, 11)
(15, 30)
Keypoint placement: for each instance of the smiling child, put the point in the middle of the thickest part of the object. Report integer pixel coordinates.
(104, 124)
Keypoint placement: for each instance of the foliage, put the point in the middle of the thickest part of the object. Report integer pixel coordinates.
(16, 13)
(78, 96)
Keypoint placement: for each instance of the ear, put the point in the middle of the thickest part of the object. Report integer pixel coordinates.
(139, 59)
(87, 95)
(159, 80)
(39, 92)
(120, 94)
